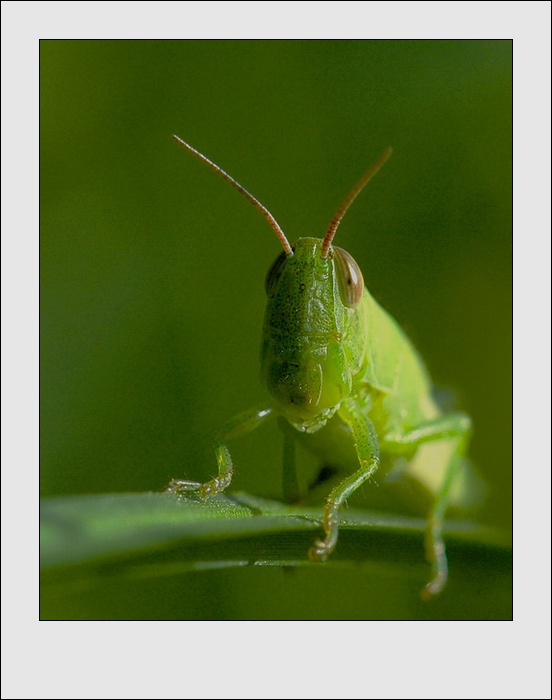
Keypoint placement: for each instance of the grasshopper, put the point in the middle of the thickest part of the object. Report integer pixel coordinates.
(346, 378)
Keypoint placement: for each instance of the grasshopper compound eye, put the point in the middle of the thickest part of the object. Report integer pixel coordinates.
(274, 273)
(349, 277)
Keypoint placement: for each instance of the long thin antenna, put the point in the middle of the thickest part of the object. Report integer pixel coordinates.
(357, 189)
(264, 211)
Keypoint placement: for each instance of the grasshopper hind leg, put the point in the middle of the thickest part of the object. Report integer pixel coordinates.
(454, 429)
(434, 543)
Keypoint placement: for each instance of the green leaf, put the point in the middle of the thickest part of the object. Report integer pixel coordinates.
(151, 534)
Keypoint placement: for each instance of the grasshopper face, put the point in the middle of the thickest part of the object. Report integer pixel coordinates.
(311, 345)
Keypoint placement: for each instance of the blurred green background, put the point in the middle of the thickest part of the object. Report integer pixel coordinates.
(152, 273)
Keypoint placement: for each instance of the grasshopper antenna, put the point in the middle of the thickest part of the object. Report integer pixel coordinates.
(264, 211)
(357, 189)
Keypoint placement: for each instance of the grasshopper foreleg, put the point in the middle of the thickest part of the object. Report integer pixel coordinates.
(240, 425)
(353, 413)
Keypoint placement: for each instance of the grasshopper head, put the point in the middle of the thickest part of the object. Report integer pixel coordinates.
(313, 332)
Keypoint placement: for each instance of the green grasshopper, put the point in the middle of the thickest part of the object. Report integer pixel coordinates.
(345, 376)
